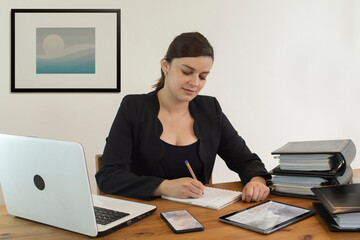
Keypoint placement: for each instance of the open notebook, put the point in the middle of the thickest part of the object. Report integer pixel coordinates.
(214, 198)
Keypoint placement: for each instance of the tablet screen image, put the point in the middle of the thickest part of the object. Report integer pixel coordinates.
(267, 217)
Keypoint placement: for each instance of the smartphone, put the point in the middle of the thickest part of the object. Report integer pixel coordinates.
(181, 221)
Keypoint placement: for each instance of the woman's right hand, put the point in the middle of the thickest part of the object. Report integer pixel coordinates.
(180, 188)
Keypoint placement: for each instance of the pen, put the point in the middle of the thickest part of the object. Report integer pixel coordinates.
(190, 169)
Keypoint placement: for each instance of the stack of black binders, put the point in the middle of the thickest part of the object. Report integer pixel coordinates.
(339, 206)
(308, 164)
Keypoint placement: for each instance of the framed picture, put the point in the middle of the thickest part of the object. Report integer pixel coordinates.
(65, 50)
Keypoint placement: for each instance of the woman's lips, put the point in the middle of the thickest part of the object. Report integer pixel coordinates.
(188, 91)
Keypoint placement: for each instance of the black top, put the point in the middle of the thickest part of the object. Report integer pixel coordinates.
(173, 162)
(130, 164)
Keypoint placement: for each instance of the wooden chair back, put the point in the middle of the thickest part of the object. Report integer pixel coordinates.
(98, 164)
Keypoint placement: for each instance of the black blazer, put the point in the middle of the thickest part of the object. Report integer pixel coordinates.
(130, 163)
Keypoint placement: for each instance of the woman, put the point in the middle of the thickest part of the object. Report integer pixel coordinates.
(153, 134)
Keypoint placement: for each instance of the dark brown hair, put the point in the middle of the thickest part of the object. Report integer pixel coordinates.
(191, 44)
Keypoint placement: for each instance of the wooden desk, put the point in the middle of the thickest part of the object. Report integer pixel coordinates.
(153, 227)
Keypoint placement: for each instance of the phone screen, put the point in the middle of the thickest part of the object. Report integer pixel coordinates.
(181, 221)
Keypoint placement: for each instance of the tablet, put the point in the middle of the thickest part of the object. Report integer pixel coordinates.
(267, 217)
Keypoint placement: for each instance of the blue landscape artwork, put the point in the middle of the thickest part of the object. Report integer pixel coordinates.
(65, 50)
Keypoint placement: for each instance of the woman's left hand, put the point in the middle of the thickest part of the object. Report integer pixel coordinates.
(255, 190)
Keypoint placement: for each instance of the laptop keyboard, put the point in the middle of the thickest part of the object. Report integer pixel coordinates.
(105, 216)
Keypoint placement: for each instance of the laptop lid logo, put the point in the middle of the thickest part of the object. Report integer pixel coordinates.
(39, 182)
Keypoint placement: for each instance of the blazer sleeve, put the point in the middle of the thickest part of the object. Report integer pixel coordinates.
(236, 154)
(115, 176)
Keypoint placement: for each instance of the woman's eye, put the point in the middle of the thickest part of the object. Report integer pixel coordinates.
(203, 76)
(186, 73)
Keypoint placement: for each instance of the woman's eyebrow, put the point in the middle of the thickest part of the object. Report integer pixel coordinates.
(188, 66)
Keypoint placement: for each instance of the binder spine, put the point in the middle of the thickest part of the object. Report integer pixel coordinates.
(349, 152)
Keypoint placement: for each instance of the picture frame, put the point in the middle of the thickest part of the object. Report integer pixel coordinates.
(65, 50)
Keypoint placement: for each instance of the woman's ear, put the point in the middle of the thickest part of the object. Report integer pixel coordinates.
(164, 66)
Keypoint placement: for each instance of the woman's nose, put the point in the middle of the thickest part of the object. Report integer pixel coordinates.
(195, 80)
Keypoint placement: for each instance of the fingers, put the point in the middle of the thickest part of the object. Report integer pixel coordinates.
(262, 194)
(196, 189)
(255, 192)
(183, 188)
(265, 194)
(197, 184)
(247, 193)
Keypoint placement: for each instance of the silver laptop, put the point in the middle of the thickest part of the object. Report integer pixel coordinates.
(46, 181)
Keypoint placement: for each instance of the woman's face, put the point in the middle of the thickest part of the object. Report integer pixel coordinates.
(185, 77)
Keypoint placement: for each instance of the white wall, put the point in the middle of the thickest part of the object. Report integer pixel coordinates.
(284, 70)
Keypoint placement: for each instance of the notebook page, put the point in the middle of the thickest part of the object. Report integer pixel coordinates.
(214, 198)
